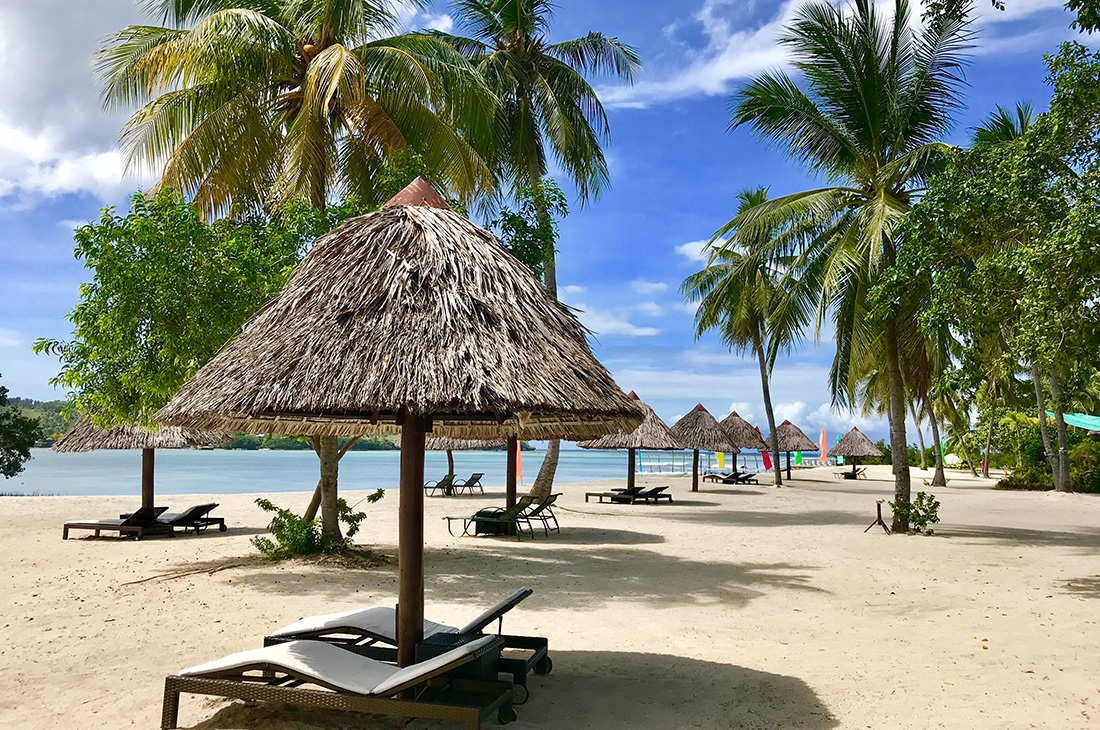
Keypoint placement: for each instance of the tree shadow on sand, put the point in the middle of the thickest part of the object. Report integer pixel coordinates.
(753, 518)
(1081, 587)
(1085, 538)
(610, 691)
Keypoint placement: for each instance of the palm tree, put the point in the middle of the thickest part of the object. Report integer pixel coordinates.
(1003, 126)
(248, 104)
(251, 104)
(547, 108)
(879, 96)
(745, 294)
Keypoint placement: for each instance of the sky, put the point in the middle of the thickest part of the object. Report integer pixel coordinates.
(675, 170)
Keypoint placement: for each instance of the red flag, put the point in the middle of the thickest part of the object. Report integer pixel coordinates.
(519, 462)
(764, 454)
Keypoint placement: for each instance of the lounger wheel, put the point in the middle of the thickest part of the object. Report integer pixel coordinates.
(222, 527)
(544, 665)
(520, 694)
(506, 715)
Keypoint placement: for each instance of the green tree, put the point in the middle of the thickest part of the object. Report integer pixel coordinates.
(246, 104)
(547, 110)
(526, 232)
(17, 435)
(167, 291)
(879, 95)
(745, 296)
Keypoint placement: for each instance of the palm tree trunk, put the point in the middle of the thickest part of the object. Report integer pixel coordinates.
(1048, 449)
(920, 435)
(966, 454)
(898, 447)
(940, 479)
(544, 482)
(1061, 481)
(989, 439)
(330, 468)
(773, 437)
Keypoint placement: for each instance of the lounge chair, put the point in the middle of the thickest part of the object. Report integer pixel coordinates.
(474, 482)
(714, 476)
(620, 496)
(372, 632)
(348, 681)
(499, 517)
(193, 518)
(654, 494)
(446, 484)
(747, 477)
(543, 512)
(139, 524)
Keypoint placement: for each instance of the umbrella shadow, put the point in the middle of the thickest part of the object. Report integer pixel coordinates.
(1086, 538)
(608, 690)
(754, 518)
(1082, 587)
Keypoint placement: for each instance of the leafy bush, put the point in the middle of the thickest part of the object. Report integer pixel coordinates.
(297, 536)
(1028, 477)
(1084, 467)
(919, 514)
(243, 441)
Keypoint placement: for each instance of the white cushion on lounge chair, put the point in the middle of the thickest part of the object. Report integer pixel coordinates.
(380, 621)
(333, 666)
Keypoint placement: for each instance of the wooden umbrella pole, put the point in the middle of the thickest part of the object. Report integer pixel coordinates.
(695, 470)
(410, 550)
(450, 463)
(147, 478)
(510, 484)
(630, 473)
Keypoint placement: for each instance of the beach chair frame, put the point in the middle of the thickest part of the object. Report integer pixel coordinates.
(513, 515)
(470, 484)
(139, 524)
(446, 485)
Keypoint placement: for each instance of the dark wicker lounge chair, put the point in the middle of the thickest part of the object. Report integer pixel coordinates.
(139, 524)
(446, 485)
(747, 477)
(653, 494)
(372, 632)
(350, 682)
(474, 482)
(499, 517)
(618, 496)
(193, 518)
(714, 476)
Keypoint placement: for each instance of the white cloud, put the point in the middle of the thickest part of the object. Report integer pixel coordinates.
(571, 290)
(612, 322)
(442, 22)
(651, 308)
(695, 251)
(741, 408)
(10, 338)
(648, 287)
(70, 224)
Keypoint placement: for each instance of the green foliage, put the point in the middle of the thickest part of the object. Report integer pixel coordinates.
(294, 536)
(531, 231)
(17, 435)
(280, 442)
(1084, 466)
(54, 415)
(168, 290)
(920, 514)
(1028, 477)
(243, 442)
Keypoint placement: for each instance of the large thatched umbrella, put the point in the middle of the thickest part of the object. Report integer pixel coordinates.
(410, 319)
(791, 439)
(699, 431)
(84, 436)
(742, 433)
(855, 445)
(653, 434)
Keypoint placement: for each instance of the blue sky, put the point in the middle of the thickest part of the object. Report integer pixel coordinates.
(674, 168)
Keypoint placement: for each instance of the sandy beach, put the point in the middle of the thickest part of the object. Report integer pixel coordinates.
(736, 607)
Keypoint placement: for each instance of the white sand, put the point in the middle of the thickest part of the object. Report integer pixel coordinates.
(743, 607)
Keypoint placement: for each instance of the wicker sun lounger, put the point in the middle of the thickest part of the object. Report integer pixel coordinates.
(139, 524)
(193, 518)
(497, 516)
(713, 476)
(474, 482)
(372, 632)
(348, 681)
(654, 494)
(618, 496)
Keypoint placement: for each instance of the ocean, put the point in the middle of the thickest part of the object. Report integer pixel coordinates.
(186, 471)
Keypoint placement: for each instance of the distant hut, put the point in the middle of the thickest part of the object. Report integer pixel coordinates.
(451, 445)
(699, 431)
(84, 436)
(653, 435)
(410, 319)
(854, 445)
(791, 439)
(742, 433)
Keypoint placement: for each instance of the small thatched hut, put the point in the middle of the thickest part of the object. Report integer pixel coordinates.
(791, 439)
(742, 433)
(699, 431)
(84, 436)
(855, 445)
(653, 435)
(410, 319)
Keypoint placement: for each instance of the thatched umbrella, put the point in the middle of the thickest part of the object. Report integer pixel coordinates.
(84, 436)
(742, 433)
(854, 445)
(408, 320)
(699, 431)
(653, 434)
(791, 439)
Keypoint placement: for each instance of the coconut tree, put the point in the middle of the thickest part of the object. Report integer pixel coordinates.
(251, 104)
(548, 110)
(247, 105)
(745, 295)
(877, 98)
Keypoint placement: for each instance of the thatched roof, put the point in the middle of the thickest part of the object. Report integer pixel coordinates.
(698, 430)
(791, 438)
(742, 433)
(653, 434)
(854, 444)
(442, 443)
(83, 436)
(408, 309)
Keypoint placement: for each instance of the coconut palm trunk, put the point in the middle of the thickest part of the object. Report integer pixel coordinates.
(544, 482)
(773, 436)
(899, 455)
(329, 449)
(1061, 480)
(920, 434)
(989, 439)
(1044, 432)
(939, 479)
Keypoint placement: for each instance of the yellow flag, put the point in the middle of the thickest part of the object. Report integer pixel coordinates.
(721, 460)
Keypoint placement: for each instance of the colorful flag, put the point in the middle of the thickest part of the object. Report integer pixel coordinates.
(519, 463)
(798, 457)
(824, 458)
(721, 457)
(764, 456)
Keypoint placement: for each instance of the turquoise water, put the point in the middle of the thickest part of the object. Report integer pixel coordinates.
(181, 471)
